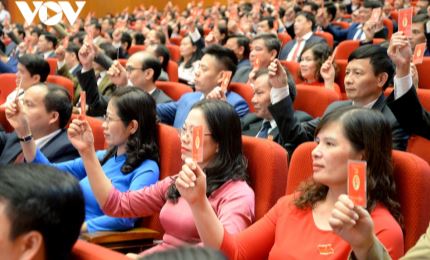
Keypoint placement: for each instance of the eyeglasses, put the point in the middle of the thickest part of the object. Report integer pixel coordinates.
(108, 119)
(129, 69)
(187, 132)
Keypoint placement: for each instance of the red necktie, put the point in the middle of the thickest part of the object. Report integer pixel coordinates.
(296, 51)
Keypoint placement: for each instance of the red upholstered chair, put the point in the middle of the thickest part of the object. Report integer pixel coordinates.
(148, 228)
(294, 68)
(7, 85)
(394, 14)
(423, 73)
(284, 38)
(314, 100)
(424, 97)
(345, 48)
(174, 90)
(62, 82)
(327, 36)
(419, 146)
(343, 25)
(52, 65)
(340, 79)
(172, 71)
(175, 54)
(3, 121)
(412, 177)
(268, 171)
(123, 62)
(244, 91)
(135, 48)
(176, 40)
(389, 24)
(96, 127)
(88, 251)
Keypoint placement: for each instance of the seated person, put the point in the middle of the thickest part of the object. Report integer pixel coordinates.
(162, 53)
(368, 73)
(130, 163)
(230, 197)
(311, 61)
(68, 66)
(142, 71)
(404, 101)
(41, 212)
(32, 70)
(209, 76)
(240, 45)
(298, 227)
(48, 110)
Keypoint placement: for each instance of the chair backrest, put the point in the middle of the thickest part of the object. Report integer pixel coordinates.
(340, 78)
(327, 36)
(284, 38)
(174, 90)
(83, 250)
(389, 24)
(8, 84)
(123, 62)
(3, 121)
(135, 48)
(419, 146)
(314, 100)
(62, 82)
(412, 177)
(423, 73)
(345, 48)
(294, 68)
(424, 97)
(245, 91)
(172, 71)
(268, 171)
(343, 25)
(176, 40)
(52, 65)
(96, 127)
(175, 54)
(170, 164)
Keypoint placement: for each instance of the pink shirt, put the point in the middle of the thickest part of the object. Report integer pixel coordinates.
(233, 203)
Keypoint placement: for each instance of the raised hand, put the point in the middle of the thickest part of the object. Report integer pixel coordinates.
(81, 135)
(400, 53)
(369, 29)
(191, 182)
(117, 74)
(86, 56)
(217, 93)
(277, 75)
(353, 224)
(327, 71)
(17, 118)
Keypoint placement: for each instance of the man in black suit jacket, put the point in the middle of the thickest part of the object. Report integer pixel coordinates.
(404, 101)
(48, 109)
(142, 70)
(369, 72)
(303, 26)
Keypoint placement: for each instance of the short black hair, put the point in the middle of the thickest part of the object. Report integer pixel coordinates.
(372, 4)
(379, 59)
(270, 21)
(58, 99)
(35, 65)
(51, 38)
(43, 199)
(162, 51)
(126, 38)
(226, 57)
(271, 41)
(244, 42)
(313, 5)
(331, 10)
(73, 48)
(308, 16)
(139, 38)
(152, 62)
(109, 50)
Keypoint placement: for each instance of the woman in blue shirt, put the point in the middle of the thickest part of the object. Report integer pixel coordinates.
(131, 162)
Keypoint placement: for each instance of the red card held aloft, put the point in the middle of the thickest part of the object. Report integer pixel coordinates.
(226, 80)
(197, 150)
(357, 182)
(405, 21)
(419, 53)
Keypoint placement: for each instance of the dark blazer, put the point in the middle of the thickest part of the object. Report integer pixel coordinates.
(242, 74)
(289, 46)
(58, 149)
(97, 103)
(410, 113)
(251, 125)
(294, 132)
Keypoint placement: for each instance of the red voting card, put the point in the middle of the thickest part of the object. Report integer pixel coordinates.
(405, 21)
(419, 53)
(376, 14)
(331, 58)
(197, 143)
(83, 100)
(357, 182)
(226, 80)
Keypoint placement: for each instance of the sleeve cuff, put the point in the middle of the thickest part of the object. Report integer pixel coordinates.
(278, 94)
(402, 85)
(195, 35)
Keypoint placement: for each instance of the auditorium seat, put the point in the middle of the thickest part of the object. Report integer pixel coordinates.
(174, 90)
(245, 91)
(88, 251)
(314, 100)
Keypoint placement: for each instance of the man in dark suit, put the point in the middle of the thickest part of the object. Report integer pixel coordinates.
(404, 101)
(142, 70)
(368, 73)
(48, 109)
(304, 25)
(46, 45)
(215, 61)
(68, 66)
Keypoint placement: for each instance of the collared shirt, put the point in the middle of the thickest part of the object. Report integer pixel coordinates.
(73, 68)
(101, 76)
(47, 54)
(45, 139)
(360, 35)
(301, 46)
(272, 126)
(368, 105)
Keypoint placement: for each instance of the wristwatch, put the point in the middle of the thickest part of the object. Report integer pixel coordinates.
(26, 139)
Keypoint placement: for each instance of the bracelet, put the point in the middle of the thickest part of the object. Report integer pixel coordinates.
(26, 138)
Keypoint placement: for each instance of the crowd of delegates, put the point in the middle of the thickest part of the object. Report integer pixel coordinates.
(210, 202)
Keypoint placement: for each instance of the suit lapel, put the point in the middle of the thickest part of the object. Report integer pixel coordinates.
(380, 103)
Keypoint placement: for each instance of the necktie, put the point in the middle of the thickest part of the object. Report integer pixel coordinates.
(296, 51)
(358, 34)
(264, 130)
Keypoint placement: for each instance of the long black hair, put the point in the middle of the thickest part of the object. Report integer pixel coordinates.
(133, 103)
